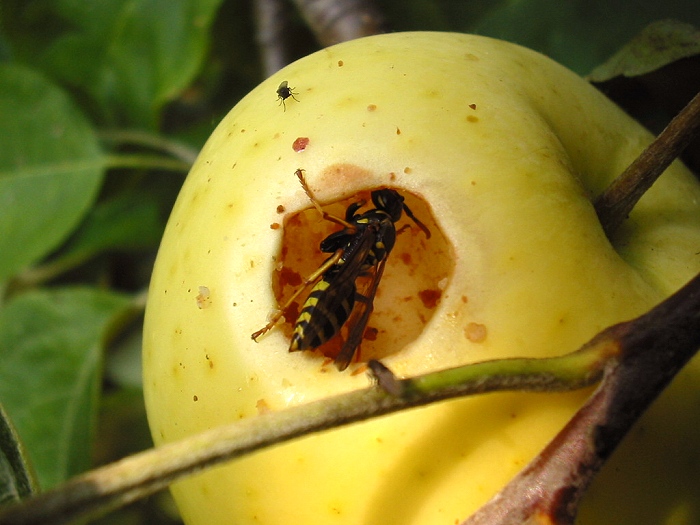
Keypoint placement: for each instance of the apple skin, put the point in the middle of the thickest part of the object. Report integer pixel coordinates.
(502, 151)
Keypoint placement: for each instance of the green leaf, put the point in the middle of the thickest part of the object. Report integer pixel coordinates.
(51, 349)
(658, 45)
(51, 167)
(135, 55)
(654, 76)
(126, 222)
(16, 480)
(578, 33)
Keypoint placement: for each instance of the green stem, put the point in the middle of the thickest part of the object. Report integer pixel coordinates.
(150, 140)
(145, 162)
(37, 275)
(569, 372)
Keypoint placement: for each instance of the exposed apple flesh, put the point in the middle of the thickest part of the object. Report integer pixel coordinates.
(500, 151)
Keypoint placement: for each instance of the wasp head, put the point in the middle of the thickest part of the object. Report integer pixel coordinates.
(389, 201)
(392, 203)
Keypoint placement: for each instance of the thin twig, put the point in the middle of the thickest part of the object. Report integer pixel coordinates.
(272, 32)
(114, 485)
(616, 202)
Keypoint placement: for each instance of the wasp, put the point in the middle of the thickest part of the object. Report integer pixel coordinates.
(359, 249)
(284, 92)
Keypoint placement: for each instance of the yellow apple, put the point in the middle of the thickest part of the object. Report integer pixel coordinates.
(499, 151)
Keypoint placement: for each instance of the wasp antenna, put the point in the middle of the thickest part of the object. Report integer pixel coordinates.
(417, 221)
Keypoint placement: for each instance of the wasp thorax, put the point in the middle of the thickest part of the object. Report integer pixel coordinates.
(402, 287)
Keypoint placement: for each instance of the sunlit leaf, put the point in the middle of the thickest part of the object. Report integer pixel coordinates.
(658, 45)
(654, 76)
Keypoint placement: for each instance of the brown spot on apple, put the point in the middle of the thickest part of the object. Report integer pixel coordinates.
(203, 298)
(335, 178)
(476, 332)
(430, 298)
(300, 144)
(288, 277)
(371, 333)
(262, 406)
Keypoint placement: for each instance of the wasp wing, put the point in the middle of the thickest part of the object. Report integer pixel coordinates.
(332, 299)
(364, 304)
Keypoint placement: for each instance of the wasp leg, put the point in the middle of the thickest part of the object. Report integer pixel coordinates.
(351, 228)
(403, 229)
(332, 260)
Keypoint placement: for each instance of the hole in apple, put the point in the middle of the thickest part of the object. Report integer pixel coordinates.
(416, 273)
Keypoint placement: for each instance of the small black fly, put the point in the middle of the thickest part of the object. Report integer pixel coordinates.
(284, 92)
(360, 249)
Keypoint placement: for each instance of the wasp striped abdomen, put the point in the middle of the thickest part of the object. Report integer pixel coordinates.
(324, 312)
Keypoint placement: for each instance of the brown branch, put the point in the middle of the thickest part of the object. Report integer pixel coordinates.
(654, 347)
(616, 202)
(272, 24)
(334, 21)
